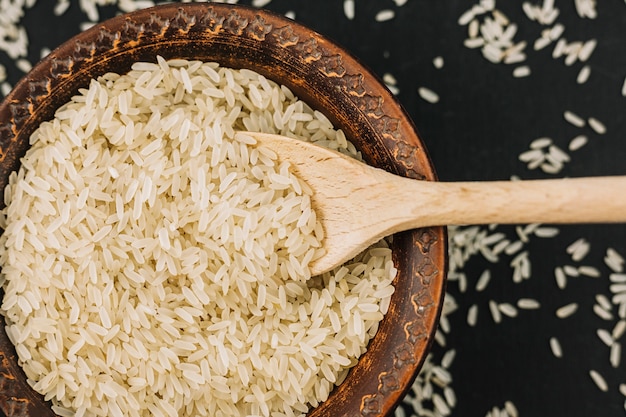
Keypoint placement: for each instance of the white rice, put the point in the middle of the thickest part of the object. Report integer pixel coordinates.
(61, 7)
(507, 309)
(599, 380)
(542, 42)
(171, 253)
(521, 267)
(571, 270)
(472, 315)
(24, 65)
(428, 95)
(391, 82)
(556, 31)
(450, 396)
(466, 17)
(614, 260)
(567, 310)
(448, 358)
(586, 8)
(555, 347)
(619, 329)
(559, 48)
(616, 277)
(261, 3)
(496, 314)
(573, 118)
(577, 142)
(513, 54)
(441, 405)
(605, 336)
(572, 50)
(511, 409)
(528, 304)
(587, 49)
(583, 74)
(597, 125)
(483, 280)
(589, 271)
(384, 15)
(492, 53)
(530, 10)
(348, 9)
(522, 71)
(615, 354)
(546, 232)
(513, 247)
(474, 42)
(533, 157)
(602, 313)
(5, 88)
(540, 143)
(579, 249)
(604, 302)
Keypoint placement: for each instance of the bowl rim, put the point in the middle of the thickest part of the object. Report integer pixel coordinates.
(384, 120)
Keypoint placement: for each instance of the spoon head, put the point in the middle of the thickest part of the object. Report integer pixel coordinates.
(345, 194)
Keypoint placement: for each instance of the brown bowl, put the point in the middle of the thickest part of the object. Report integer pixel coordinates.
(319, 72)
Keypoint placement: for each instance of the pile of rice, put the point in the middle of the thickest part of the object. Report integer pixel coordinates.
(154, 261)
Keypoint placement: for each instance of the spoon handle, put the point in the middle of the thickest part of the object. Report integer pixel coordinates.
(568, 200)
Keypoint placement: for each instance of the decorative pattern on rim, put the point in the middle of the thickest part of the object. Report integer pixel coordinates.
(207, 22)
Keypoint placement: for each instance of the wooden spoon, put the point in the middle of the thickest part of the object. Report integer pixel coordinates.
(358, 204)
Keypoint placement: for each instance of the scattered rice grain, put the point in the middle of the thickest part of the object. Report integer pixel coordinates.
(583, 74)
(599, 380)
(577, 143)
(566, 310)
(573, 118)
(605, 336)
(528, 303)
(597, 125)
(555, 347)
(523, 71)
(428, 95)
(385, 15)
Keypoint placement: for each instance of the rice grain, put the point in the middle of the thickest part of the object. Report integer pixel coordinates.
(577, 142)
(555, 347)
(605, 336)
(566, 310)
(583, 74)
(522, 71)
(178, 247)
(573, 118)
(597, 125)
(528, 304)
(384, 15)
(599, 380)
(428, 95)
(348, 9)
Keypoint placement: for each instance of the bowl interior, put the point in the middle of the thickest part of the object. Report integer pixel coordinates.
(320, 73)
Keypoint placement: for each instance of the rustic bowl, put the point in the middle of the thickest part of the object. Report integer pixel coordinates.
(319, 72)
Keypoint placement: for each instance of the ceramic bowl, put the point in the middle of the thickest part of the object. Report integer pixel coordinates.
(319, 72)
